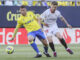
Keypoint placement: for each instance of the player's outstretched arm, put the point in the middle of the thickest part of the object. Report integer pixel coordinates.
(15, 32)
(41, 21)
(16, 29)
(65, 21)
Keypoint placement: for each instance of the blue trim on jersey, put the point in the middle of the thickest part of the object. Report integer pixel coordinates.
(39, 34)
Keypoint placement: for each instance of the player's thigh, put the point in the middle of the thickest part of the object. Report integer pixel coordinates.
(58, 35)
(56, 31)
(40, 35)
(49, 34)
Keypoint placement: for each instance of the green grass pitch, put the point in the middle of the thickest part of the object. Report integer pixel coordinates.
(25, 52)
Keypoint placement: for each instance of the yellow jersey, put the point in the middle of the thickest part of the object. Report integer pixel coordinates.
(29, 22)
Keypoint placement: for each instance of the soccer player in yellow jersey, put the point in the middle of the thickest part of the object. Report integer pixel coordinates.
(34, 30)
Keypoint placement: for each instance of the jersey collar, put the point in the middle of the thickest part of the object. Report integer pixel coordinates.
(24, 16)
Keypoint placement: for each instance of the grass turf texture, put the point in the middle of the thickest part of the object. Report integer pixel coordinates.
(25, 52)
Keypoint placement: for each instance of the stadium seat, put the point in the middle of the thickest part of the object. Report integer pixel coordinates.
(34, 3)
(59, 3)
(62, 3)
(78, 3)
(48, 3)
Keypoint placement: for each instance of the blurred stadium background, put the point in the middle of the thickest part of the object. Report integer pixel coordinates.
(9, 12)
(38, 2)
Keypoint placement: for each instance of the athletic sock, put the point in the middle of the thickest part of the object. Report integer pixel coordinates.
(63, 43)
(46, 49)
(52, 46)
(34, 46)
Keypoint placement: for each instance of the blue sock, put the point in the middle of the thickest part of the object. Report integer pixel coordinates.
(34, 46)
(46, 49)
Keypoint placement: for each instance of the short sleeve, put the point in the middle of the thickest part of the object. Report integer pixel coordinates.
(59, 15)
(43, 15)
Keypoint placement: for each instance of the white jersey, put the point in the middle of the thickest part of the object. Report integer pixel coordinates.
(50, 18)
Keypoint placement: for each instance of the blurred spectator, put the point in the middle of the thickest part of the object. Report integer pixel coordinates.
(30, 3)
(43, 3)
(72, 3)
(9, 3)
(48, 3)
(17, 3)
(78, 3)
(65, 3)
(34, 3)
(0, 3)
(3, 2)
(38, 3)
(24, 2)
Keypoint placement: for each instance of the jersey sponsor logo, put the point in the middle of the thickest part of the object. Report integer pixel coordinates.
(29, 21)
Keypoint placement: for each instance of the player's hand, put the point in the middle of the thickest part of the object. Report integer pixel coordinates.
(69, 26)
(11, 39)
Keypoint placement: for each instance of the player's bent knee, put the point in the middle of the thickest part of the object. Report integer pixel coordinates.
(30, 38)
(60, 37)
(49, 39)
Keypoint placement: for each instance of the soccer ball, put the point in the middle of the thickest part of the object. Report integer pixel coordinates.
(9, 49)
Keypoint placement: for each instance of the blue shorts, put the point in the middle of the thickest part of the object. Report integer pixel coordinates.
(39, 34)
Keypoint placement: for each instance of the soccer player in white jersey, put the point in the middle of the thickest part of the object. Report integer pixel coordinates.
(50, 17)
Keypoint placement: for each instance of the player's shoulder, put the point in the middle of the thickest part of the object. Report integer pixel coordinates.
(47, 10)
(19, 19)
(57, 11)
(30, 13)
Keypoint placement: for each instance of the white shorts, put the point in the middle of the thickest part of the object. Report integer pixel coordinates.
(52, 30)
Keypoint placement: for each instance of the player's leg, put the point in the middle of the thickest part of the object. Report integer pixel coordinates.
(42, 38)
(51, 44)
(44, 41)
(62, 40)
(31, 38)
(49, 34)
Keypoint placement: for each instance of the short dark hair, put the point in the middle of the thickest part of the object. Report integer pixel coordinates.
(54, 3)
(23, 6)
